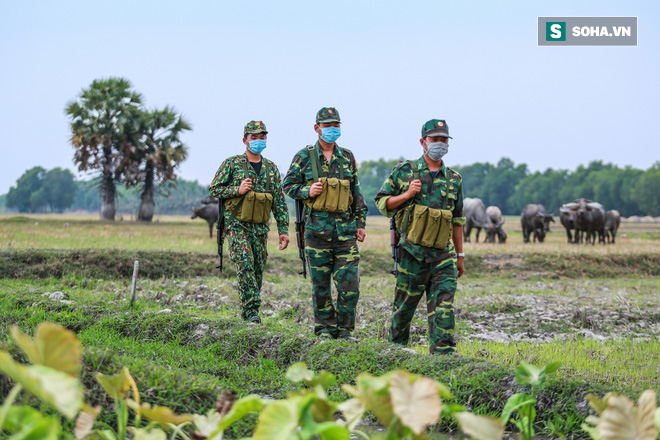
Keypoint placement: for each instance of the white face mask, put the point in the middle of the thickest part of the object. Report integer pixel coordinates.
(436, 150)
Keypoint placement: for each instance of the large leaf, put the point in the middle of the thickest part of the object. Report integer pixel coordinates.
(207, 425)
(27, 423)
(353, 410)
(646, 407)
(159, 414)
(416, 402)
(527, 374)
(592, 431)
(516, 401)
(299, 372)
(241, 408)
(85, 421)
(148, 434)
(54, 346)
(324, 379)
(278, 421)
(480, 427)
(58, 389)
(620, 421)
(331, 431)
(118, 385)
(374, 393)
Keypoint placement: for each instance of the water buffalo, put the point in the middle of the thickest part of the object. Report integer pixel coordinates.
(535, 220)
(567, 218)
(208, 212)
(208, 200)
(589, 220)
(612, 221)
(476, 217)
(495, 215)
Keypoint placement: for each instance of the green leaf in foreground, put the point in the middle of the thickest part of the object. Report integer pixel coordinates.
(241, 408)
(516, 401)
(415, 400)
(118, 385)
(54, 346)
(480, 427)
(278, 421)
(58, 389)
(28, 423)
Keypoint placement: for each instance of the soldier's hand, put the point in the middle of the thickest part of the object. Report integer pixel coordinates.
(284, 241)
(414, 187)
(361, 234)
(246, 185)
(316, 189)
(459, 266)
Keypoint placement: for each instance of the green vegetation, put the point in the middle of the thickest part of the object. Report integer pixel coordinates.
(592, 308)
(38, 190)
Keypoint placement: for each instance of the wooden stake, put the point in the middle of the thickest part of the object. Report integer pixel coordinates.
(135, 276)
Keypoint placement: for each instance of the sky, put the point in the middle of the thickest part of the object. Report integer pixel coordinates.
(387, 66)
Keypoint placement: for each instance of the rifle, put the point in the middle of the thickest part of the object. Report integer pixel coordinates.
(220, 230)
(300, 235)
(394, 241)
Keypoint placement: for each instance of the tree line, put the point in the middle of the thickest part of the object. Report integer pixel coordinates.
(506, 185)
(511, 187)
(57, 190)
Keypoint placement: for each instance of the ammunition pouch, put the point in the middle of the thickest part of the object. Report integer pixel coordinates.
(425, 226)
(335, 197)
(255, 208)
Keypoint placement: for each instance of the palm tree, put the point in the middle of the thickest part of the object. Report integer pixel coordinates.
(159, 153)
(101, 119)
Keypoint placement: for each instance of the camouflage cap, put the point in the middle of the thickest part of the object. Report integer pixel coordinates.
(254, 127)
(436, 127)
(328, 114)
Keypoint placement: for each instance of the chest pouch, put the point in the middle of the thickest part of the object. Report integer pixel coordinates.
(336, 195)
(425, 226)
(252, 207)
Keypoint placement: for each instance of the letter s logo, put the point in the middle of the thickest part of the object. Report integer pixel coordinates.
(555, 31)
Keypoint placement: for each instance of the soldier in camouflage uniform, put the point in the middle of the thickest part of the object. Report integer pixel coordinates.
(247, 241)
(330, 237)
(421, 268)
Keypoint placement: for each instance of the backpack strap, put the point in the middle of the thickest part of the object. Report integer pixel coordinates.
(265, 170)
(240, 202)
(316, 163)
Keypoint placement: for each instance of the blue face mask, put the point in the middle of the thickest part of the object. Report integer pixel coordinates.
(257, 146)
(436, 150)
(330, 134)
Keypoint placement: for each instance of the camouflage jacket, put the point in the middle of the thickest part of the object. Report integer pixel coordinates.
(433, 192)
(323, 225)
(225, 186)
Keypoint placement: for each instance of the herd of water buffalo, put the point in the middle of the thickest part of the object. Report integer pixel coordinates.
(583, 219)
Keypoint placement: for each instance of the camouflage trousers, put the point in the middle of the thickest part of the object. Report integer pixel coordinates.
(338, 261)
(439, 281)
(248, 253)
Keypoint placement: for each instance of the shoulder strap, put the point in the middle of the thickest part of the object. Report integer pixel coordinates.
(265, 170)
(415, 170)
(240, 202)
(316, 164)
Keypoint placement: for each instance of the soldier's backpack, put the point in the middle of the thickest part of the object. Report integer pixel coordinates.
(423, 225)
(336, 195)
(251, 207)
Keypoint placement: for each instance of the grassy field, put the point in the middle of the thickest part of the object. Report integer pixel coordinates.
(594, 308)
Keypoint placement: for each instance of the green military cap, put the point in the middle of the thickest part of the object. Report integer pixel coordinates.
(436, 127)
(254, 127)
(328, 114)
